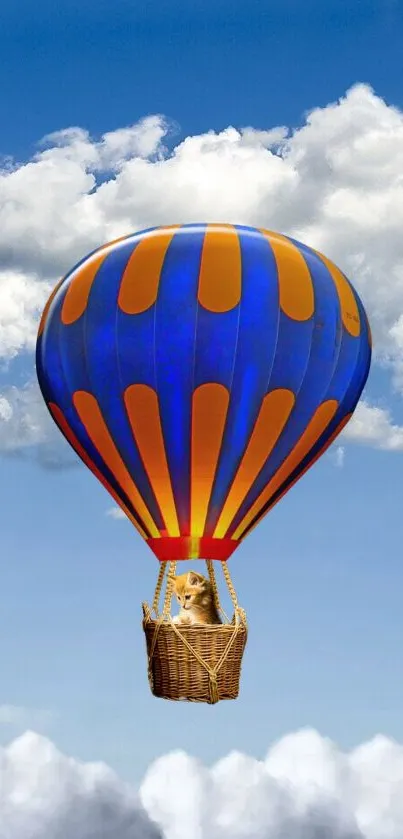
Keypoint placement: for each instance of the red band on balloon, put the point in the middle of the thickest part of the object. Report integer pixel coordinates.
(168, 549)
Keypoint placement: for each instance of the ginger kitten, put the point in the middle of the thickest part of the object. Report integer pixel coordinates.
(195, 597)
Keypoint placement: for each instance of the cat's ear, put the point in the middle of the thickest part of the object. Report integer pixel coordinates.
(193, 578)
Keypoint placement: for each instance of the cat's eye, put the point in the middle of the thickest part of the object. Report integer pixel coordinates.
(187, 596)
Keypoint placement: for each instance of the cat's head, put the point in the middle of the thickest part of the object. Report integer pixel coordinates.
(190, 589)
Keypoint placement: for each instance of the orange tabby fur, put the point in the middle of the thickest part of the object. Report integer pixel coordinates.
(195, 597)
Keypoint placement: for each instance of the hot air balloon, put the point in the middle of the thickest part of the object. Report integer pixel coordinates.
(199, 371)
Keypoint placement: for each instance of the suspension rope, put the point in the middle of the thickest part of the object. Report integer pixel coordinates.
(239, 613)
(166, 612)
(213, 583)
(158, 589)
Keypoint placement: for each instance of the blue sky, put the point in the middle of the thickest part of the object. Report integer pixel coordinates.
(321, 577)
(203, 64)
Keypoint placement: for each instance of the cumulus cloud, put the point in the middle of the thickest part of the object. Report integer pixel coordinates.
(27, 430)
(335, 182)
(305, 788)
(54, 207)
(373, 425)
(22, 298)
(45, 795)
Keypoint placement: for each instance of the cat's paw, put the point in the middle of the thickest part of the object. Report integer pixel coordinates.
(176, 619)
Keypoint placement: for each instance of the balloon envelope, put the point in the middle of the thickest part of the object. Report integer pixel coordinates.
(198, 371)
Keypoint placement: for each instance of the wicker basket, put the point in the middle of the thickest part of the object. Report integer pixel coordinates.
(197, 663)
(175, 671)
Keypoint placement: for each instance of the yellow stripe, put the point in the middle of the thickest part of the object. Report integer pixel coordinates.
(220, 277)
(209, 413)
(350, 314)
(140, 281)
(296, 293)
(144, 416)
(91, 417)
(273, 415)
(194, 550)
(319, 422)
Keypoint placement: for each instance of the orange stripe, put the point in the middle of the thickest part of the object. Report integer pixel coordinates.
(47, 307)
(71, 437)
(220, 277)
(273, 415)
(144, 416)
(320, 420)
(78, 292)
(209, 413)
(308, 466)
(350, 314)
(140, 281)
(76, 299)
(296, 293)
(91, 417)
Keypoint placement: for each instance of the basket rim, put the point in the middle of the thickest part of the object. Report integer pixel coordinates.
(195, 628)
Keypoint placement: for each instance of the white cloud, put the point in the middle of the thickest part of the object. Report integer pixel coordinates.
(44, 795)
(26, 428)
(373, 425)
(22, 297)
(23, 418)
(305, 788)
(335, 182)
(116, 513)
(52, 206)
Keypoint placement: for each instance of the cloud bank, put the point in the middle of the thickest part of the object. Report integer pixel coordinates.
(335, 182)
(305, 788)
(45, 795)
